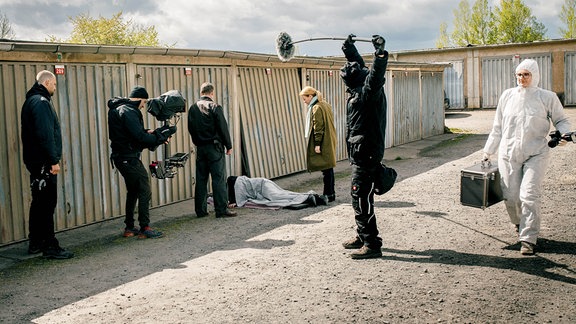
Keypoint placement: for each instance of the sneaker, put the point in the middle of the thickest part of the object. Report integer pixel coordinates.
(527, 248)
(57, 253)
(130, 232)
(354, 243)
(366, 253)
(148, 232)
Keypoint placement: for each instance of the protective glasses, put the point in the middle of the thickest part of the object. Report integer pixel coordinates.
(524, 75)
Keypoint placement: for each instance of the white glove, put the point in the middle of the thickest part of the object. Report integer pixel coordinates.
(486, 156)
(562, 142)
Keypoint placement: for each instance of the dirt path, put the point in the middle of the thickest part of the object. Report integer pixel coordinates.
(443, 262)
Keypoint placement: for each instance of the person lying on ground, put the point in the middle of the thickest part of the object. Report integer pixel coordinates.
(261, 192)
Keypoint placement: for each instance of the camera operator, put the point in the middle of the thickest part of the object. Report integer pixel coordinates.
(521, 124)
(128, 138)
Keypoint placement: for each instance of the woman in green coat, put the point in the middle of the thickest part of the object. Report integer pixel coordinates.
(321, 134)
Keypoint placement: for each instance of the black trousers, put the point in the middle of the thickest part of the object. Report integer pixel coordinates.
(362, 191)
(138, 190)
(41, 216)
(210, 162)
(328, 178)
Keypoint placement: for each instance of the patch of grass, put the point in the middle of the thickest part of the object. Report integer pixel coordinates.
(449, 142)
(176, 224)
(457, 131)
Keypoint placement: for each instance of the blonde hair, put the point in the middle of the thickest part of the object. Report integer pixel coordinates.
(309, 91)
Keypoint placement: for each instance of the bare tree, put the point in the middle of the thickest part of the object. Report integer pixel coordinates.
(6, 31)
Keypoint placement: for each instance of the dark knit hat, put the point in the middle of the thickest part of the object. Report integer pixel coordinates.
(139, 92)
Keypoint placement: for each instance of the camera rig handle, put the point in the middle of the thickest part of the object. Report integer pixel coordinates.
(167, 168)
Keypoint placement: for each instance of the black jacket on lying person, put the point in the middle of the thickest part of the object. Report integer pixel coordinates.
(126, 130)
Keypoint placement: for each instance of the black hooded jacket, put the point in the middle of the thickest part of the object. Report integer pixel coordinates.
(40, 133)
(366, 106)
(126, 131)
(206, 123)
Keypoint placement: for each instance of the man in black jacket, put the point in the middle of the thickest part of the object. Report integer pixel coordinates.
(128, 138)
(365, 138)
(209, 131)
(42, 152)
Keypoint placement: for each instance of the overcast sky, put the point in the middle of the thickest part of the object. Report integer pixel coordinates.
(253, 25)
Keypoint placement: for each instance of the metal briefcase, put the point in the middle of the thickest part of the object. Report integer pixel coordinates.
(480, 185)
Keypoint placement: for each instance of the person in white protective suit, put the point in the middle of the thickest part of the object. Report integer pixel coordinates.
(519, 137)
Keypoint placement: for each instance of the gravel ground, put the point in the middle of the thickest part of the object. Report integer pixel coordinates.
(442, 262)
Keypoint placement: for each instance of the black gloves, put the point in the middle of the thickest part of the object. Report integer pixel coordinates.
(164, 132)
(379, 42)
(167, 130)
(350, 40)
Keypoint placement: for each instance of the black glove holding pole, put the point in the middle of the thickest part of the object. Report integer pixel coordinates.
(348, 42)
(379, 43)
(350, 39)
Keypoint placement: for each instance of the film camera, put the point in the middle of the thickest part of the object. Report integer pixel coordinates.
(166, 107)
(556, 137)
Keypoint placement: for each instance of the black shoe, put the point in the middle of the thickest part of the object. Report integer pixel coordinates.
(354, 243)
(366, 253)
(321, 200)
(34, 248)
(57, 253)
(331, 197)
(311, 201)
(228, 213)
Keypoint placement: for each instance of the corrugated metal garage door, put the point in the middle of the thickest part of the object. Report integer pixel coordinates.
(454, 84)
(272, 118)
(498, 75)
(87, 190)
(570, 79)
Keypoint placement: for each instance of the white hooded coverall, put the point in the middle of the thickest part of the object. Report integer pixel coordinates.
(519, 135)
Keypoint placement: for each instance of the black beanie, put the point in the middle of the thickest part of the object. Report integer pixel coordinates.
(139, 92)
